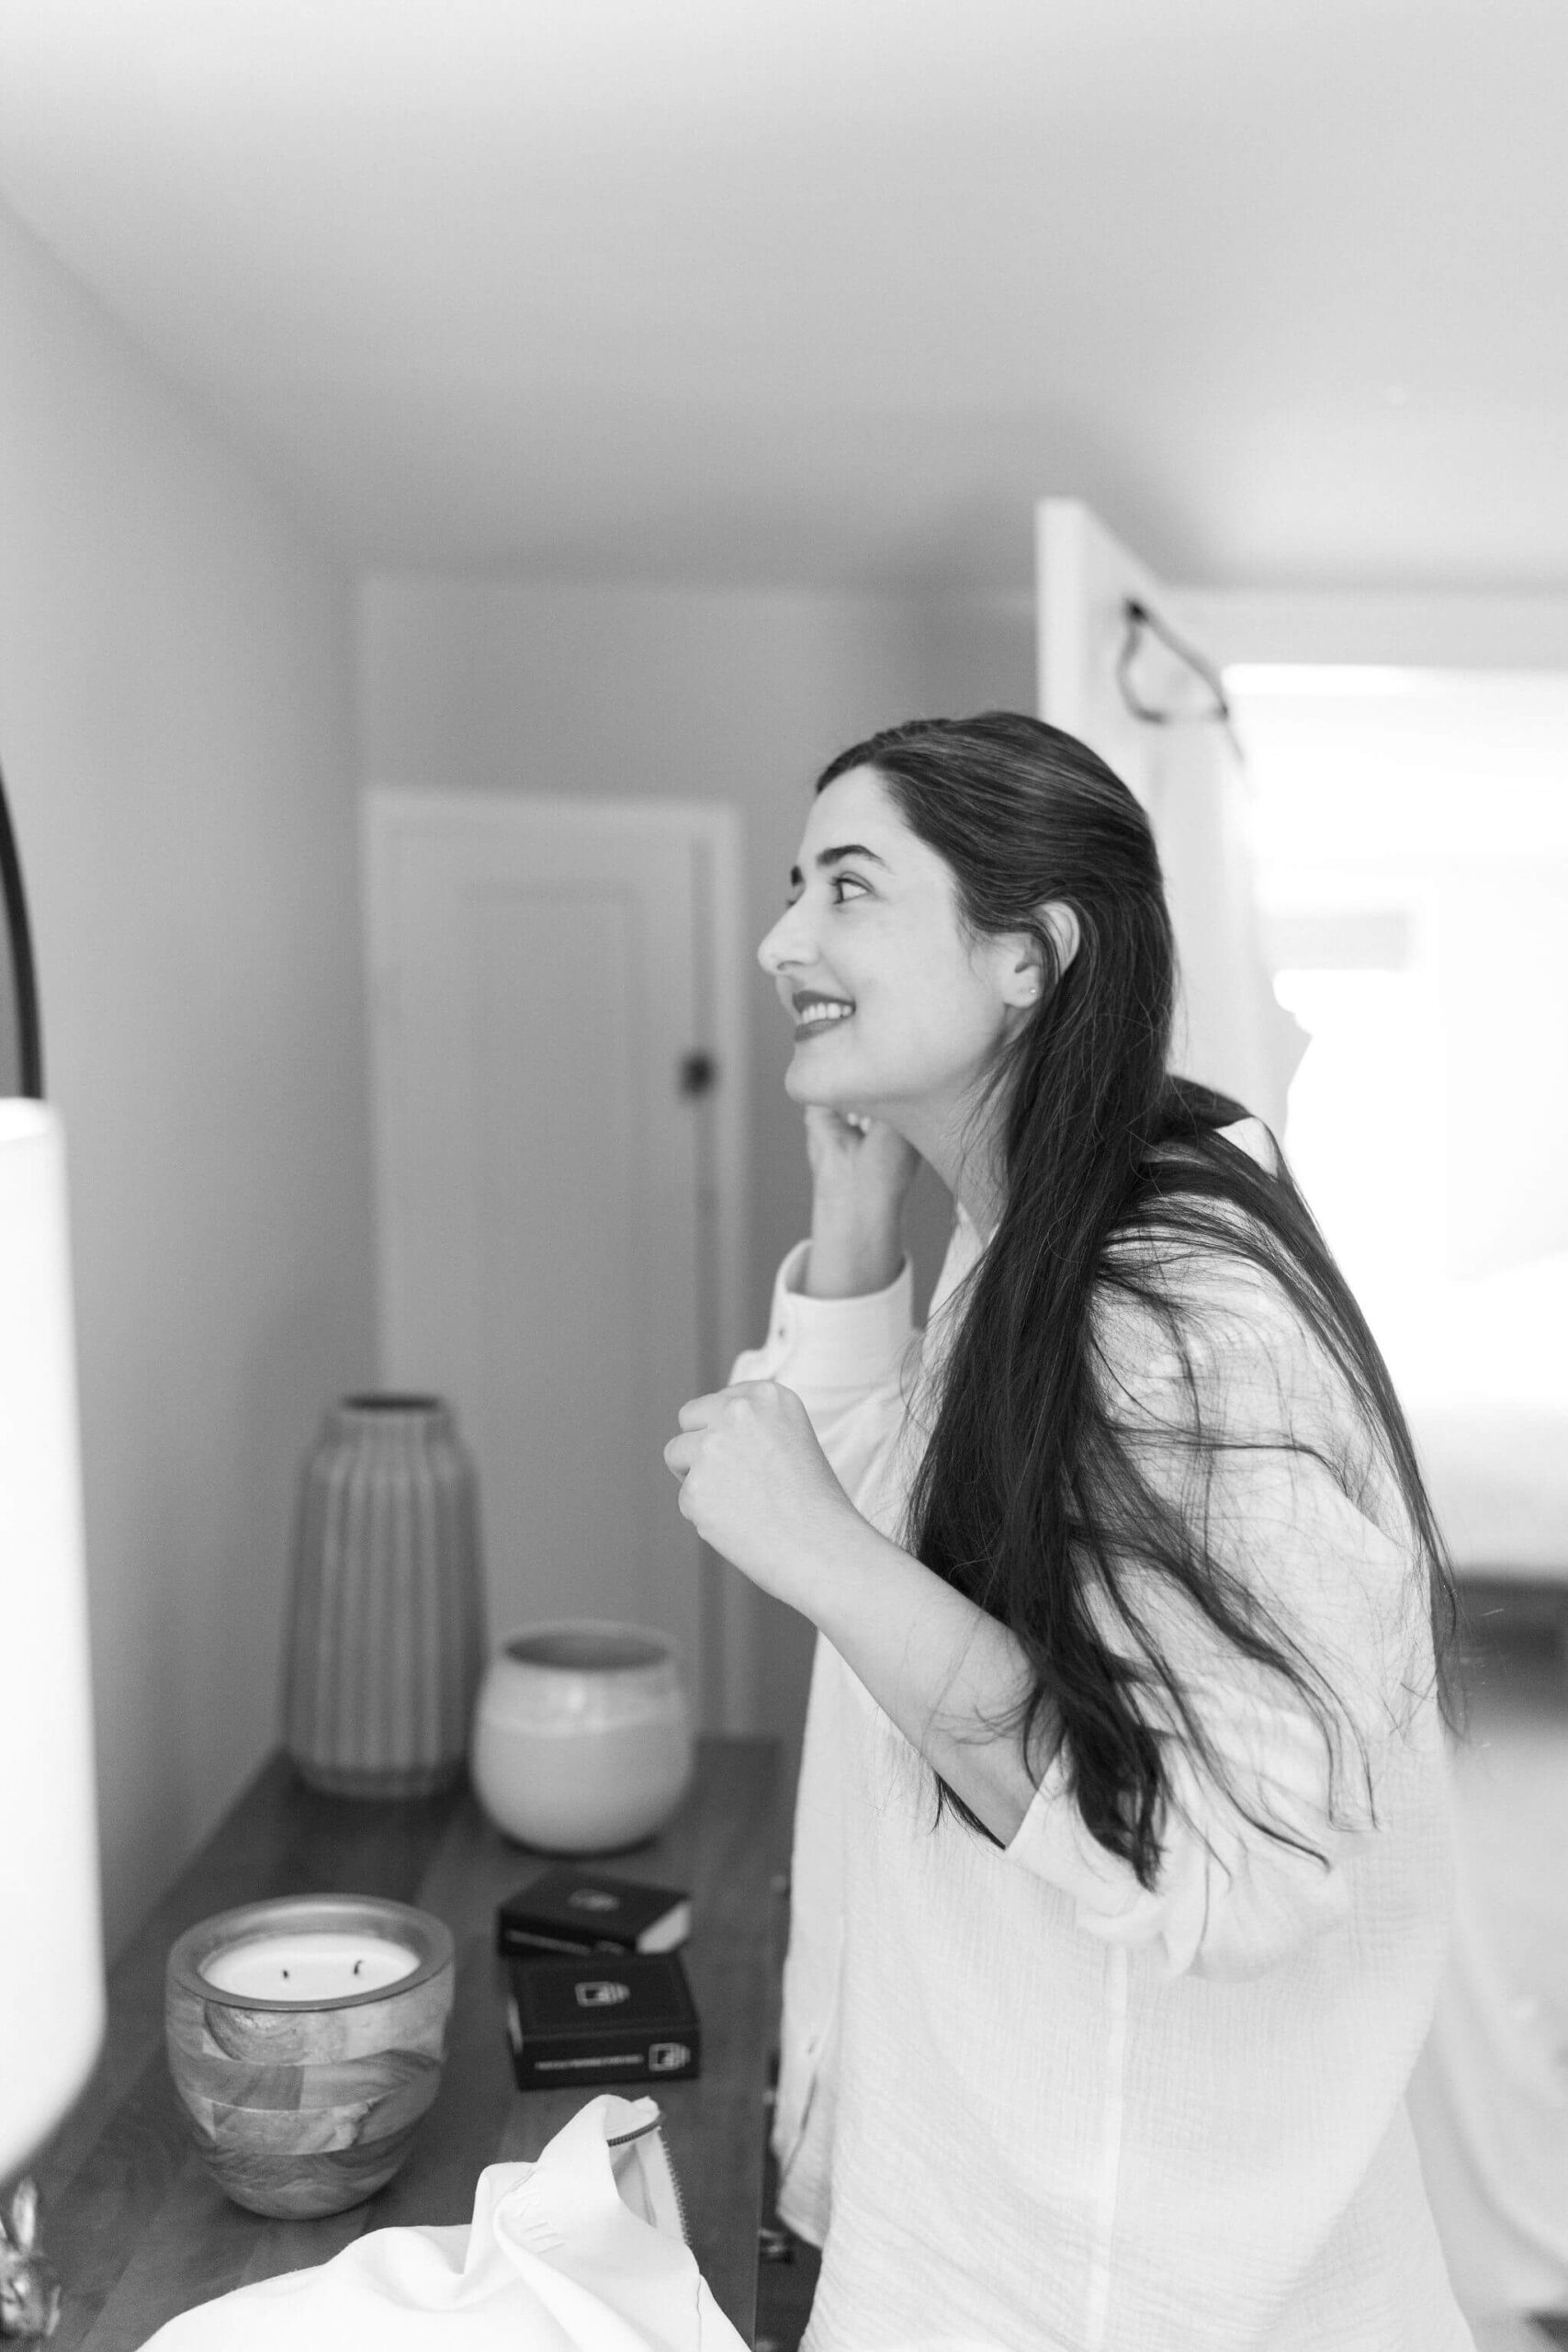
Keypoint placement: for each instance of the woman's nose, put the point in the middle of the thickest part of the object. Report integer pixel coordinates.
(786, 944)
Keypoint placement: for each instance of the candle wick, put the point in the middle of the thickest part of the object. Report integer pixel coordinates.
(357, 1966)
(285, 1971)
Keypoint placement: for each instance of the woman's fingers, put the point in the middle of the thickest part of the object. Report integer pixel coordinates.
(855, 1139)
(828, 1130)
(680, 1454)
(754, 1480)
(699, 1412)
(696, 1416)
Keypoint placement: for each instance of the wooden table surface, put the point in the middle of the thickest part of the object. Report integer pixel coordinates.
(139, 2232)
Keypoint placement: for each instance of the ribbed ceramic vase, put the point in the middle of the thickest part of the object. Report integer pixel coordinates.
(386, 1636)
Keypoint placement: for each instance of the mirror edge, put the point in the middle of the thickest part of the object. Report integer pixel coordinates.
(15, 942)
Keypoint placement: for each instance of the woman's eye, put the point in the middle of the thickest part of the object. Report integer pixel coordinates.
(847, 881)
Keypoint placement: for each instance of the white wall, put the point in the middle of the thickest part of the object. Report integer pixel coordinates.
(175, 728)
(1439, 631)
(741, 697)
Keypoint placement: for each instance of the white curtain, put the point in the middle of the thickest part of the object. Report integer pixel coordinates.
(1233, 1033)
(1489, 2106)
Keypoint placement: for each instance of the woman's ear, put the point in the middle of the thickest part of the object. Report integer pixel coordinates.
(1062, 922)
(1025, 977)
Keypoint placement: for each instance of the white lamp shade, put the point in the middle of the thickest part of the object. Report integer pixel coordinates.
(52, 1978)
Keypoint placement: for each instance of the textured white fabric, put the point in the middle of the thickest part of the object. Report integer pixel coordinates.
(1025, 2103)
(1489, 2106)
(1232, 1030)
(555, 2260)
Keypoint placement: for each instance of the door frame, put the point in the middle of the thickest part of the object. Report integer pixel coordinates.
(1083, 575)
(716, 831)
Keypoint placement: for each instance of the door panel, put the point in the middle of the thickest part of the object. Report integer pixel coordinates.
(1084, 577)
(536, 982)
(1231, 1029)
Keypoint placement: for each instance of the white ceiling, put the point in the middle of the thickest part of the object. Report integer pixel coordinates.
(827, 290)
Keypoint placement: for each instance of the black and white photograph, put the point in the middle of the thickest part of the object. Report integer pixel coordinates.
(783, 1245)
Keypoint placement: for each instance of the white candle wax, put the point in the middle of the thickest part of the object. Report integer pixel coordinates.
(308, 1966)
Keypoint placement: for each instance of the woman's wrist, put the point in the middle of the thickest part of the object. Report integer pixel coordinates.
(853, 1250)
(828, 1564)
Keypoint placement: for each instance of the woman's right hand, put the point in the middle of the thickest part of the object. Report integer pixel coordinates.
(858, 1163)
(861, 1170)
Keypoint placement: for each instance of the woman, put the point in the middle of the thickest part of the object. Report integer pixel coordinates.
(1122, 1870)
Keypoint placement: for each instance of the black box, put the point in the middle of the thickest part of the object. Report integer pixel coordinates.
(573, 1909)
(607, 2018)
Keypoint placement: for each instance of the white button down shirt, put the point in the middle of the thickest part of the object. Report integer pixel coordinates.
(1025, 2102)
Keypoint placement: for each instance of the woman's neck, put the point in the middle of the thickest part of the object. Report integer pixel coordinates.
(982, 1199)
(966, 1152)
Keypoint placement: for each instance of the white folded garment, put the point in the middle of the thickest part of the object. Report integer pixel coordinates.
(583, 2251)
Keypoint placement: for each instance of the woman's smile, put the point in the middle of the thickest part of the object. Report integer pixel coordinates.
(816, 1013)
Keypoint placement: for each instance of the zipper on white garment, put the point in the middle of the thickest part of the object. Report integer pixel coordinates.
(630, 2139)
(675, 2191)
(1096, 2304)
(661, 2152)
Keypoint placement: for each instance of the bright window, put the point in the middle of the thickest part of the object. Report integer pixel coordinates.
(1412, 831)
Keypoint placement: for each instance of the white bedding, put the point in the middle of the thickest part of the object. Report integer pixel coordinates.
(1498, 1478)
(1483, 1375)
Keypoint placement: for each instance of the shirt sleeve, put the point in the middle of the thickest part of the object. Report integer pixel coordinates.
(829, 1347)
(1230, 1900)
(849, 1360)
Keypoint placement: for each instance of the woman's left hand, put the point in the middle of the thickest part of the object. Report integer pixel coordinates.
(756, 1485)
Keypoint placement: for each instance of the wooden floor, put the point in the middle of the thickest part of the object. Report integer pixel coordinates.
(1512, 1783)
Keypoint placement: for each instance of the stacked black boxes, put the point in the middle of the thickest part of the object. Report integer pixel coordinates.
(596, 1991)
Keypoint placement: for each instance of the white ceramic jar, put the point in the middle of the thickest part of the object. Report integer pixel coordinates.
(582, 1736)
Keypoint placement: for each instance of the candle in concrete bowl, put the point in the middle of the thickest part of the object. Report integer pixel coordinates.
(306, 2039)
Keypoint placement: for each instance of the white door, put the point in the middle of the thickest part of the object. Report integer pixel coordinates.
(1232, 1032)
(558, 1079)
(1084, 579)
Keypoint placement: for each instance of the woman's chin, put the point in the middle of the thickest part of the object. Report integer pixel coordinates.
(804, 1085)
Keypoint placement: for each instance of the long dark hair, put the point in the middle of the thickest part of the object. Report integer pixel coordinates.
(1033, 1495)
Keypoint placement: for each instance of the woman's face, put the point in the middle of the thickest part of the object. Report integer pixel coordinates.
(897, 1011)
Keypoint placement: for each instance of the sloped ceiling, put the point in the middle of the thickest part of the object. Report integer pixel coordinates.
(827, 292)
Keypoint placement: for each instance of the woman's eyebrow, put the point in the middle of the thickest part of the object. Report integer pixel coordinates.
(831, 856)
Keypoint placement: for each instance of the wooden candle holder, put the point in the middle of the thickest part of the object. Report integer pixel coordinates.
(303, 2107)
